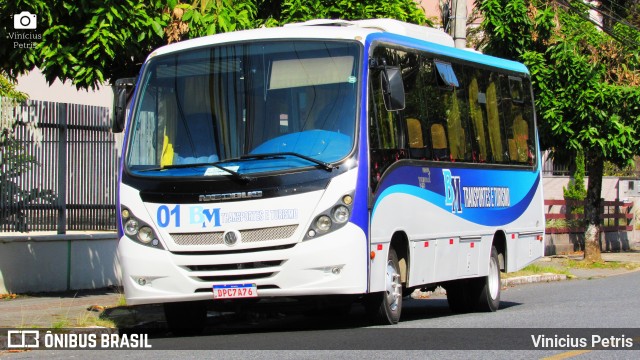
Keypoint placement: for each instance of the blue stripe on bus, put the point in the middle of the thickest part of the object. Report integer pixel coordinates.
(449, 51)
(360, 214)
(522, 187)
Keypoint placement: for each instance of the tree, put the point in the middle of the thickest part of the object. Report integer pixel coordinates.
(98, 41)
(585, 81)
(88, 42)
(575, 190)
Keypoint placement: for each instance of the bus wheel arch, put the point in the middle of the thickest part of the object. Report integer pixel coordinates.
(385, 307)
(400, 243)
(500, 243)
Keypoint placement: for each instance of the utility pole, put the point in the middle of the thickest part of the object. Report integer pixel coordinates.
(460, 23)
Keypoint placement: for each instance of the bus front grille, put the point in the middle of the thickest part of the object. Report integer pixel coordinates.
(240, 266)
(246, 236)
(244, 277)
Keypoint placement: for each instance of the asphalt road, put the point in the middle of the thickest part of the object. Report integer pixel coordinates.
(560, 310)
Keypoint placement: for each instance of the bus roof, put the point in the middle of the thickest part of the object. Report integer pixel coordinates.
(405, 34)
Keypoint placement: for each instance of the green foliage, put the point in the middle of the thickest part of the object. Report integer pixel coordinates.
(611, 169)
(303, 10)
(576, 190)
(509, 26)
(9, 98)
(88, 42)
(205, 17)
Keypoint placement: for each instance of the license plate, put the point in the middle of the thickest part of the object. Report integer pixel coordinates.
(234, 291)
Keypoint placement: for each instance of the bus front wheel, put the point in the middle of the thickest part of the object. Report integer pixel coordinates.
(385, 308)
(186, 318)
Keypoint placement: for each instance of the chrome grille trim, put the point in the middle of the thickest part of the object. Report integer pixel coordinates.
(247, 236)
(265, 234)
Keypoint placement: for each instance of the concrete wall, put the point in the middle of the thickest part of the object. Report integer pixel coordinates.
(39, 263)
(36, 86)
(559, 244)
(553, 187)
(612, 241)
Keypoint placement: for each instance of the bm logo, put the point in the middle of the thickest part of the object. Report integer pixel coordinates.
(452, 191)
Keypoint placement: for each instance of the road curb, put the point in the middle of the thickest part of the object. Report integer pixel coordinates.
(530, 279)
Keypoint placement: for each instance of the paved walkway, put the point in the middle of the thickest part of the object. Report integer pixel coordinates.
(83, 308)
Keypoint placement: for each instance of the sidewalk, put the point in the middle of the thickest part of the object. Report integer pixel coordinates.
(83, 308)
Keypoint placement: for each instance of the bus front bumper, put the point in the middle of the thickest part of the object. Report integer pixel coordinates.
(335, 263)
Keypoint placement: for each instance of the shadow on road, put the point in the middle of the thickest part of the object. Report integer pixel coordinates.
(273, 319)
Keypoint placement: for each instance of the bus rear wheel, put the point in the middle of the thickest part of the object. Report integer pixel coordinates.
(186, 318)
(385, 308)
(458, 296)
(479, 294)
(486, 290)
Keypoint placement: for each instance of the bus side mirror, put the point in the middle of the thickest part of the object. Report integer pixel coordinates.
(122, 94)
(392, 88)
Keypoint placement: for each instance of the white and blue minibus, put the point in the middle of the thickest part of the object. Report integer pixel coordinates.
(346, 160)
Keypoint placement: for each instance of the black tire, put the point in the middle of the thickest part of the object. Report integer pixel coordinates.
(186, 318)
(479, 294)
(334, 307)
(458, 296)
(385, 308)
(486, 290)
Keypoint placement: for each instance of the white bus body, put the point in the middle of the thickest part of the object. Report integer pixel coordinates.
(305, 181)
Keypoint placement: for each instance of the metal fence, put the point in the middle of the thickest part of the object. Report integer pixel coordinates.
(77, 162)
(553, 168)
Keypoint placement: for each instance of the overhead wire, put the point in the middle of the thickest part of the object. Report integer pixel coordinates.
(624, 40)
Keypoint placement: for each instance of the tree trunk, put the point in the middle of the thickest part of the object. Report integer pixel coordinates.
(592, 208)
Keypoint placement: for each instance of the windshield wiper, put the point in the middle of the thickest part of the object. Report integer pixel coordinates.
(324, 165)
(235, 174)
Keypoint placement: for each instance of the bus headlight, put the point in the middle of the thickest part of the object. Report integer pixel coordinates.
(323, 223)
(131, 227)
(341, 214)
(145, 235)
(331, 219)
(138, 230)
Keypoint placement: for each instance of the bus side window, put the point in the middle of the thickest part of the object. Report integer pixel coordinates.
(439, 142)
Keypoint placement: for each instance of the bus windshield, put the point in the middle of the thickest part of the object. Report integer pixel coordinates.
(224, 105)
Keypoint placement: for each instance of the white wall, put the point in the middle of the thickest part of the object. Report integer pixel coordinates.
(39, 263)
(36, 86)
(553, 187)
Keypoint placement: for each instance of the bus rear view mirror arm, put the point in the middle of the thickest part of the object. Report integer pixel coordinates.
(123, 90)
(393, 88)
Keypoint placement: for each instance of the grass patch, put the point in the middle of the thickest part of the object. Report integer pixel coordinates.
(581, 264)
(535, 269)
(122, 301)
(91, 320)
(85, 320)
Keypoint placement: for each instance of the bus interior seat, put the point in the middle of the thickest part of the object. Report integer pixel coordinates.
(195, 139)
(518, 146)
(439, 142)
(416, 140)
